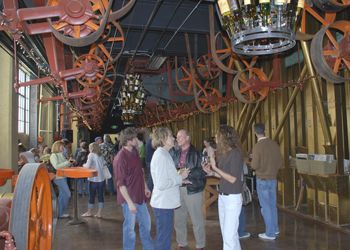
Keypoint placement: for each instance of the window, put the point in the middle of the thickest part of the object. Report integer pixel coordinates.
(23, 104)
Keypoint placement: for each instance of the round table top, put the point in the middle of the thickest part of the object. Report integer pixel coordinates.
(76, 172)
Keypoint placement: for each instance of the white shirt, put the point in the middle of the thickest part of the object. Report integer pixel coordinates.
(96, 162)
(166, 191)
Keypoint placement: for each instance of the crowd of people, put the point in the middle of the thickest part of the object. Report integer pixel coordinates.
(178, 177)
(171, 174)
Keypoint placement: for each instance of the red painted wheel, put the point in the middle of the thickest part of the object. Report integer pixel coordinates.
(80, 18)
(249, 87)
(208, 100)
(330, 51)
(183, 77)
(92, 96)
(94, 70)
(112, 39)
(206, 68)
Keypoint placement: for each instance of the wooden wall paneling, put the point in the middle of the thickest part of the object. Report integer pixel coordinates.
(318, 96)
(339, 124)
(288, 104)
(223, 115)
(277, 108)
(309, 113)
(268, 121)
(347, 118)
(232, 112)
(286, 128)
(242, 115)
(331, 114)
(245, 122)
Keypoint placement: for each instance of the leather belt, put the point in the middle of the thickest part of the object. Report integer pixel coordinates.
(223, 193)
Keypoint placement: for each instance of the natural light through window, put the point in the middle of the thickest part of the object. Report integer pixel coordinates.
(23, 104)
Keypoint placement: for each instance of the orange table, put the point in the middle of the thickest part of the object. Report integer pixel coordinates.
(76, 173)
(5, 174)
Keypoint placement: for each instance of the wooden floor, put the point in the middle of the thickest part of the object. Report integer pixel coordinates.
(106, 233)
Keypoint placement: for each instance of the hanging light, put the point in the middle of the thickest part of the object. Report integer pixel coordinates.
(261, 28)
(133, 97)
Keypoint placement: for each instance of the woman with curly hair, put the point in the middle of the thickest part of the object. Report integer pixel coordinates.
(227, 164)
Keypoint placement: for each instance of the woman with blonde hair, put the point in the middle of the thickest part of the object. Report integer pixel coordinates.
(59, 161)
(228, 166)
(96, 184)
(166, 193)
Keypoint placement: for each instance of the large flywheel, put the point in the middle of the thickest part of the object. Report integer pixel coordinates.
(32, 219)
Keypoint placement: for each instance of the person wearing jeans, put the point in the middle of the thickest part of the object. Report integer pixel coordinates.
(166, 193)
(144, 220)
(266, 161)
(132, 191)
(267, 197)
(242, 233)
(59, 161)
(63, 196)
(96, 184)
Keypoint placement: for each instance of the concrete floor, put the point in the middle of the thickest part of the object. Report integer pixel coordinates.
(106, 233)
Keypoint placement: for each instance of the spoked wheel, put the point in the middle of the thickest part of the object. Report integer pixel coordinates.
(183, 78)
(206, 68)
(31, 214)
(92, 96)
(249, 86)
(94, 70)
(208, 100)
(82, 21)
(113, 37)
(108, 81)
(330, 51)
(228, 58)
(223, 55)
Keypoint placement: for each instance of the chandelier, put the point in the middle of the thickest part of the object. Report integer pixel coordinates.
(267, 27)
(132, 97)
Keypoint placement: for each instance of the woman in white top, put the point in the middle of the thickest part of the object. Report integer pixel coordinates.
(96, 184)
(166, 194)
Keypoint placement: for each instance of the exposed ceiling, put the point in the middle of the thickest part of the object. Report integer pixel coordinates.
(153, 29)
(146, 40)
(156, 28)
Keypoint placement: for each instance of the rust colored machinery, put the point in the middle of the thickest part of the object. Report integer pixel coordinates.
(33, 215)
(74, 23)
(330, 56)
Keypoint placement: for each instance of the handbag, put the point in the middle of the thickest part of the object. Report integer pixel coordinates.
(106, 172)
(246, 195)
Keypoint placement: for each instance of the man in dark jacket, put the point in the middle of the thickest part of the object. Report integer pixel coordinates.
(191, 195)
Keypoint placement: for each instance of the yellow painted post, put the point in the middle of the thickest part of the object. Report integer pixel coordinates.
(9, 117)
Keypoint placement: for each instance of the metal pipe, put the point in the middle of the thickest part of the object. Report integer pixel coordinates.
(38, 81)
(40, 108)
(316, 91)
(289, 105)
(167, 26)
(252, 117)
(150, 19)
(177, 30)
(27, 14)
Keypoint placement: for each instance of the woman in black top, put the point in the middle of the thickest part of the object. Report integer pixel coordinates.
(227, 164)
